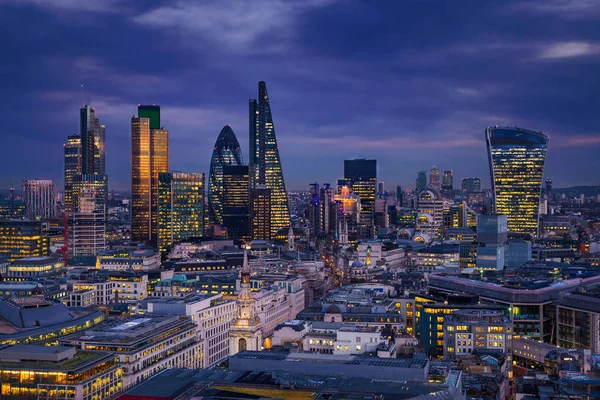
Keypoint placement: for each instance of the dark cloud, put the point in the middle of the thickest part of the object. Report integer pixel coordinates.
(411, 84)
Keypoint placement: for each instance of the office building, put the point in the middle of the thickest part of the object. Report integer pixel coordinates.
(88, 222)
(236, 201)
(180, 207)
(22, 238)
(361, 177)
(30, 371)
(260, 212)
(92, 136)
(421, 182)
(399, 196)
(469, 332)
(381, 188)
(72, 153)
(471, 185)
(315, 218)
(492, 234)
(93, 185)
(226, 152)
(143, 345)
(29, 268)
(434, 178)
(448, 184)
(430, 216)
(578, 320)
(517, 158)
(40, 198)
(265, 164)
(149, 157)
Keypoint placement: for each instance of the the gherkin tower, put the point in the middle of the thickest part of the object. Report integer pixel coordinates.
(226, 152)
(265, 164)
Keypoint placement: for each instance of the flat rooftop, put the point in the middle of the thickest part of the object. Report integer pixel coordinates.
(80, 361)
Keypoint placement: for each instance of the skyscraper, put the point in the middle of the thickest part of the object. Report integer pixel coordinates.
(22, 238)
(421, 183)
(96, 184)
(92, 142)
(88, 220)
(72, 150)
(149, 157)
(471, 185)
(517, 158)
(180, 207)
(361, 176)
(261, 213)
(492, 235)
(265, 165)
(226, 152)
(236, 201)
(447, 182)
(40, 198)
(434, 178)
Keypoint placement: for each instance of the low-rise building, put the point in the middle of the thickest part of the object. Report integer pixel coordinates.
(128, 260)
(443, 254)
(58, 372)
(25, 269)
(144, 345)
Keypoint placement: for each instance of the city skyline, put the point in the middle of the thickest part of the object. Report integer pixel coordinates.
(440, 93)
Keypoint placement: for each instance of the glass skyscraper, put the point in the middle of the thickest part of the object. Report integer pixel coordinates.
(149, 157)
(180, 207)
(517, 158)
(72, 151)
(265, 165)
(361, 177)
(226, 152)
(92, 142)
(236, 201)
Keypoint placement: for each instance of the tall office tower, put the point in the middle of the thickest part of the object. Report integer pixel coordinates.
(381, 188)
(149, 157)
(430, 215)
(471, 185)
(399, 196)
(447, 183)
(315, 221)
(421, 181)
(88, 222)
(361, 176)
(180, 207)
(492, 234)
(548, 187)
(226, 152)
(236, 201)
(97, 183)
(72, 151)
(382, 218)
(22, 238)
(92, 142)
(434, 178)
(265, 165)
(260, 210)
(40, 198)
(517, 158)
(328, 208)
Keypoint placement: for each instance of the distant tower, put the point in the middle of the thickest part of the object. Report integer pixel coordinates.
(40, 198)
(434, 178)
(548, 186)
(421, 181)
(245, 333)
(291, 245)
(343, 231)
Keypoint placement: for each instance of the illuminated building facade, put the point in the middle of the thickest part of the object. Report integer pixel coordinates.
(430, 216)
(434, 178)
(236, 201)
(58, 372)
(40, 198)
(89, 218)
(265, 164)
(468, 332)
(471, 185)
(361, 177)
(226, 152)
(22, 238)
(149, 157)
(180, 207)
(261, 213)
(72, 150)
(29, 268)
(517, 157)
(92, 136)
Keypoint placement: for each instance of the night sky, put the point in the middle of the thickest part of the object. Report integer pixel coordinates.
(412, 84)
